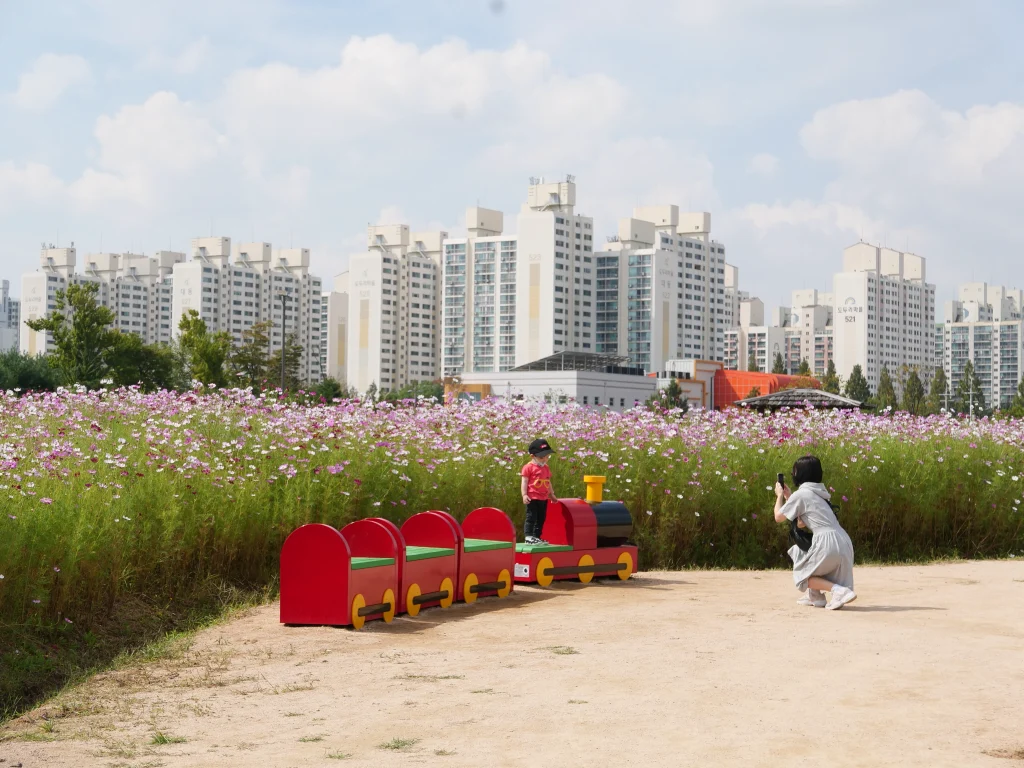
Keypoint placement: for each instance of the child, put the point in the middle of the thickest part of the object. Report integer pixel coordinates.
(537, 490)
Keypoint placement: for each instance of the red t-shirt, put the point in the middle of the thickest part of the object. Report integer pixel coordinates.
(538, 480)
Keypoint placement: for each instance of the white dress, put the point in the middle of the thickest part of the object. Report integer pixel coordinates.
(831, 552)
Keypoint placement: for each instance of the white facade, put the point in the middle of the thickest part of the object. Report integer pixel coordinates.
(618, 392)
(335, 330)
(984, 326)
(149, 294)
(10, 318)
(884, 314)
(763, 344)
(233, 294)
(750, 314)
(478, 315)
(661, 289)
(392, 305)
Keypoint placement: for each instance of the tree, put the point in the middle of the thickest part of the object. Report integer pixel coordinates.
(330, 389)
(886, 395)
(936, 395)
(669, 398)
(151, 366)
(857, 386)
(778, 366)
(969, 394)
(205, 354)
(831, 382)
(804, 369)
(754, 392)
(81, 333)
(1016, 408)
(371, 392)
(913, 394)
(26, 373)
(250, 361)
(752, 366)
(292, 364)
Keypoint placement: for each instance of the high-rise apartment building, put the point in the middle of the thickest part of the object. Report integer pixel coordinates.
(661, 291)
(10, 318)
(392, 307)
(750, 314)
(884, 314)
(149, 294)
(136, 288)
(334, 333)
(257, 285)
(512, 299)
(984, 325)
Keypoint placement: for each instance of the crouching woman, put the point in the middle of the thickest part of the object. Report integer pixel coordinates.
(827, 566)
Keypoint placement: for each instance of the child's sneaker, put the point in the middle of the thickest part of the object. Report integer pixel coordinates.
(813, 598)
(532, 540)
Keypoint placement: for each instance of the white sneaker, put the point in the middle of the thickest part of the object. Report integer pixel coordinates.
(532, 540)
(813, 598)
(840, 597)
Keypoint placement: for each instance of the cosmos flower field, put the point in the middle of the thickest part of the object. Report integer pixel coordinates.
(113, 494)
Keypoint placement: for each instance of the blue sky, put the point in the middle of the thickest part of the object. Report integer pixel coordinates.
(800, 124)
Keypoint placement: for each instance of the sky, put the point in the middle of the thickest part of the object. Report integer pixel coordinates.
(801, 125)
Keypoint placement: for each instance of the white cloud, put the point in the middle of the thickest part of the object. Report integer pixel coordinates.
(763, 164)
(50, 76)
(147, 152)
(31, 182)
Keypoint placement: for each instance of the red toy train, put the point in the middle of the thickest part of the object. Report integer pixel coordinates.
(372, 569)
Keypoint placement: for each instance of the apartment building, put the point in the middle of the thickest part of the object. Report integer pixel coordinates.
(334, 332)
(884, 313)
(661, 289)
(149, 294)
(135, 287)
(256, 284)
(750, 313)
(983, 325)
(10, 318)
(388, 309)
(479, 297)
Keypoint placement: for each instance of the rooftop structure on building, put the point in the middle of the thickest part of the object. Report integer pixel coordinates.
(801, 399)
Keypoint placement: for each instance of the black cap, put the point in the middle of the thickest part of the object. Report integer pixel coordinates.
(540, 447)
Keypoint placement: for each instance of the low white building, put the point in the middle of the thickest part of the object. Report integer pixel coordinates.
(567, 377)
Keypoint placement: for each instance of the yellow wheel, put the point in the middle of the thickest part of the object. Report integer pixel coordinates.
(389, 614)
(471, 581)
(447, 586)
(506, 577)
(544, 578)
(585, 561)
(358, 603)
(626, 572)
(412, 608)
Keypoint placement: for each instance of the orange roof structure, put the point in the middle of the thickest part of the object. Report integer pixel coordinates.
(731, 386)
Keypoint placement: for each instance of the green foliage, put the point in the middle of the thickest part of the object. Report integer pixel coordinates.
(804, 369)
(151, 366)
(754, 392)
(752, 366)
(669, 398)
(25, 373)
(913, 394)
(857, 386)
(424, 389)
(250, 362)
(292, 364)
(969, 395)
(831, 381)
(778, 366)
(937, 393)
(205, 354)
(81, 333)
(886, 395)
(1016, 409)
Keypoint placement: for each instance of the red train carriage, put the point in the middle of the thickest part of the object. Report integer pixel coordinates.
(487, 541)
(339, 577)
(585, 539)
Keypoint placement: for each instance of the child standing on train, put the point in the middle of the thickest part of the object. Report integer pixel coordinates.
(537, 490)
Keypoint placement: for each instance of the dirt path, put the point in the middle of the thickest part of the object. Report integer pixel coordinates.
(670, 669)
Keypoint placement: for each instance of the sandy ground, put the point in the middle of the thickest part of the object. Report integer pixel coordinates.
(670, 669)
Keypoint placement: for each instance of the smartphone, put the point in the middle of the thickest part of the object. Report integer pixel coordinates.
(781, 479)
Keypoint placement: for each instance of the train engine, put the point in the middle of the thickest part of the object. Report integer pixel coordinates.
(585, 538)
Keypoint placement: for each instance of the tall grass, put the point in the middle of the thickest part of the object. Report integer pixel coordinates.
(120, 495)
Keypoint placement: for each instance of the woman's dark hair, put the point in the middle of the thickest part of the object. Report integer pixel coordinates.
(807, 469)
